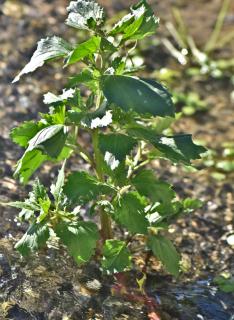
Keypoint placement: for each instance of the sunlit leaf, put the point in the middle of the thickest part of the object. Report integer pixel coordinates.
(84, 50)
(165, 251)
(85, 14)
(34, 239)
(115, 147)
(80, 238)
(25, 132)
(129, 212)
(116, 256)
(141, 22)
(177, 148)
(47, 49)
(50, 140)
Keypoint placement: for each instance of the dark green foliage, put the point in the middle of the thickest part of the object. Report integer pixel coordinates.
(124, 117)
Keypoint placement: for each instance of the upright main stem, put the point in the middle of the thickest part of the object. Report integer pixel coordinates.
(106, 229)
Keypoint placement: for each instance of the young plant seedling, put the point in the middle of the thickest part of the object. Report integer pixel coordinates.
(125, 117)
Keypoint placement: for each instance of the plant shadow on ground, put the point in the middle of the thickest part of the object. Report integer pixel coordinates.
(53, 287)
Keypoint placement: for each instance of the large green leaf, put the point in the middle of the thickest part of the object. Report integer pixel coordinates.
(177, 148)
(147, 185)
(82, 187)
(50, 140)
(85, 14)
(80, 238)
(25, 132)
(28, 164)
(116, 256)
(84, 50)
(129, 212)
(134, 94)
(115, 147)
(47, 49)
(34, 239)
(165, 251)
(141, 22)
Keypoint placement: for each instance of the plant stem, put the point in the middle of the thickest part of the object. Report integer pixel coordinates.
(106, 230)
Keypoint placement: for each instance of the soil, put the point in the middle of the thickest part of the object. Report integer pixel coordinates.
(50, 286)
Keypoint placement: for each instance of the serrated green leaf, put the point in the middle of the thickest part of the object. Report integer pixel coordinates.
(28, 164)
(115, 147)
(57, 115)
(81, 188)
(85, 14)
(147, 185)
(141, 22)
(129, 212)
(165, 251)
(84, 50)
(137, 95)
(34, 239)
(80, 238)
(177, 148)
(57, 188)
(50, 140)
(47, 49)
(116, 256)
(25, 132)
(23, 205)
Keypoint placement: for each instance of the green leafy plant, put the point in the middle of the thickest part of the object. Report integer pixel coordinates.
(125, 117)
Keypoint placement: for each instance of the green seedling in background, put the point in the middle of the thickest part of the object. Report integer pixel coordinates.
(125, 117)
(200, 61)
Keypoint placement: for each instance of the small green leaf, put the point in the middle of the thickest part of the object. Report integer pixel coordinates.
(47, 49)
(86, 76)
(57, 188)
(225, 282)
(165, 251)
(22, 205)
(50, 140)
(28, 164)
(129, 212)
(140, 23)
(147, 185)
(34, 239)
(81, 188)
(116, 256)
(85, 14)
(57, 115)
(190, 204)
(25, 132)
(84, 50)
(137, 95)
(177, 148)
(115, 148)
(80, 238)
